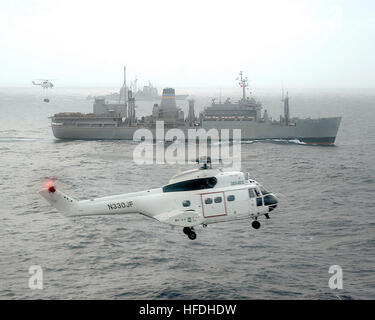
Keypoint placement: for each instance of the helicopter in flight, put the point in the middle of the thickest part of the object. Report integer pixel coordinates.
(45, 84)
(192, 198)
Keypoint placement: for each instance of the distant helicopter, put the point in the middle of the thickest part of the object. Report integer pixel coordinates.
(45, 84)
(196, 197)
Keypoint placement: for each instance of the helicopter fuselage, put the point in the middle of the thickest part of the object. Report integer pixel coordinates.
(197, 197)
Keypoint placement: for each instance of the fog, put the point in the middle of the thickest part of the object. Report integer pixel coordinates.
(189, 44)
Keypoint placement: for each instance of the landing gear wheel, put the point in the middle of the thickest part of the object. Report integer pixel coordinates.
(186, 230)
(255, 224)
(192, 235)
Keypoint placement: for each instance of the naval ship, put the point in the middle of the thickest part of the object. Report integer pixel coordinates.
(150, 93)
(147, 93)
(119, 121)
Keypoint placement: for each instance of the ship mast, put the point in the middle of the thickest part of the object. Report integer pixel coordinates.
(243, 84)
(131, 110)
(124, 86)
(135, 84)
(129, 101)
(286, 108)
(123, 91)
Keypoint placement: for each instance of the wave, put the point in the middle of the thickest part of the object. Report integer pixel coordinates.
(19, 139)
(293, 141)
(282, 141)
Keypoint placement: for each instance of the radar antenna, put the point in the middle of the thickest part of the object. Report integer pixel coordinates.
(205, 161)
(243, 84)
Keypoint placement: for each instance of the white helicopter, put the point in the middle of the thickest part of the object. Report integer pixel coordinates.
(45, 84)
(196, 197)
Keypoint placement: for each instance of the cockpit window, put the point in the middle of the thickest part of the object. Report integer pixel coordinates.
(264, 191)
(191, 185)
(257, 192)
(270, 200)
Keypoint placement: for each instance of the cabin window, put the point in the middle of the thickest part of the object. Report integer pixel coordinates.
(186, 203)
(231, 197)
(191, 185)
(208, 201)
(259, 202)
(251, 193)
(218, 199)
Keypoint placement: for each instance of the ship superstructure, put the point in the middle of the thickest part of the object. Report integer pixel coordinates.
(246, 114)
(246, 109)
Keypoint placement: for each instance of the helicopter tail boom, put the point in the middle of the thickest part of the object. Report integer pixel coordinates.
(59, 200)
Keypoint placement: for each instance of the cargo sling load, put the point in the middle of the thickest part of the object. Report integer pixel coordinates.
(119, 121)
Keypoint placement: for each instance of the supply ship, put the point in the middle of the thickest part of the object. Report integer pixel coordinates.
(119, 121)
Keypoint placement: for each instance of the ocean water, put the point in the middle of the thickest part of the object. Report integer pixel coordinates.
(325, 216)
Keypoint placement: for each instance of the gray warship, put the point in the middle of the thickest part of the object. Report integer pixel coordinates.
(119, 121)
(150, 93)
(147, 93)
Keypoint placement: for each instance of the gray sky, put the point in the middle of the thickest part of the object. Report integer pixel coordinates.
(190, 43)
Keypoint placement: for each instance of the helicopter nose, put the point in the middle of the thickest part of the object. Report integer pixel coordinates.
(271, 201)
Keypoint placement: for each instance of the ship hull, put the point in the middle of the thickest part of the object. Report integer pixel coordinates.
(321, 131)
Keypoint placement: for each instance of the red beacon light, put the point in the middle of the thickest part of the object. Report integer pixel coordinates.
(49, 186)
